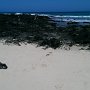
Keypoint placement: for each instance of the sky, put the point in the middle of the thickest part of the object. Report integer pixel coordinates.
(44, 5)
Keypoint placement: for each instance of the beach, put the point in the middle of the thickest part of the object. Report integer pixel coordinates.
(35, 54)
(33, 68)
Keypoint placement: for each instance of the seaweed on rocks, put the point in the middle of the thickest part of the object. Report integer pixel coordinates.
(42, 31)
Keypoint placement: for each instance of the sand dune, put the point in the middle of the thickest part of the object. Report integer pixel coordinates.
(31, 68)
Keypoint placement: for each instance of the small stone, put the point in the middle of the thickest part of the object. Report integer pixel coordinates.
(3, 66)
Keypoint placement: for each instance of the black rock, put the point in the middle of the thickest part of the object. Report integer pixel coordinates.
(3, 66)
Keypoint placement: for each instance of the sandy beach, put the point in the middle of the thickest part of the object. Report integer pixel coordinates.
(33, 68)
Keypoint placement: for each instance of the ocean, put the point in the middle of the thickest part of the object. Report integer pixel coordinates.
(67, 16)
(62, 18)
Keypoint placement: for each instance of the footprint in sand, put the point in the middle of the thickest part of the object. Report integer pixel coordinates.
(44, 65)
(48, 53)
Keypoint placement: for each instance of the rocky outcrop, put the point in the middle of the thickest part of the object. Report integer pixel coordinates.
(3, 66)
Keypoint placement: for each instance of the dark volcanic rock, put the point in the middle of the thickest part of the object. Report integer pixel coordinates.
(3, 66)
(41, 30)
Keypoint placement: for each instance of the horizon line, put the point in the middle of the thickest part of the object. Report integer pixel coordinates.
(42, 11)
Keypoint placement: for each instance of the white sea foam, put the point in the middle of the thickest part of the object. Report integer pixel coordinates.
(58, 16)
(43, 14)
(71, 18)
(76, 20)
(33, 14)
(18, 13)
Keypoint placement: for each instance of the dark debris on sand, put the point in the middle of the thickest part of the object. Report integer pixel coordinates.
(3, 66)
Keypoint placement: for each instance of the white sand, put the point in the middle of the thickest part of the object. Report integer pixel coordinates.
(31, 68)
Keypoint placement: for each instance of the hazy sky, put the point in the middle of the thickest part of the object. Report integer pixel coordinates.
(44, 5)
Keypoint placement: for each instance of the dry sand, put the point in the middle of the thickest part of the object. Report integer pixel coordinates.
(31, 68)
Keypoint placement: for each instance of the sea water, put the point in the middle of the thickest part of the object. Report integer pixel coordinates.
(68, 16)
(63, 16)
